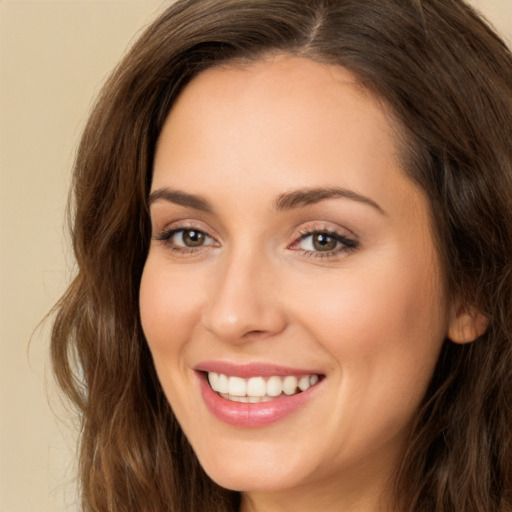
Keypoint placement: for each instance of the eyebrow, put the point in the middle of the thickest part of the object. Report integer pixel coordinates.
(308, 196)
(181, 198)
(287, 201)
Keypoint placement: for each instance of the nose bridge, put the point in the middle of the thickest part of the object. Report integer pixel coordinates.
(241, 300)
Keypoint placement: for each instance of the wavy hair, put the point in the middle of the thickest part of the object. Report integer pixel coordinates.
(448, 79)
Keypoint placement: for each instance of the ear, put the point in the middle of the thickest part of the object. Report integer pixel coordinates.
(466, 324)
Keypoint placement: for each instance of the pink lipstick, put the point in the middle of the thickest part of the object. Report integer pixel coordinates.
(255, 395)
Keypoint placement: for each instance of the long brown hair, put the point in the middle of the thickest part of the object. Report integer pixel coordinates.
(448, 79)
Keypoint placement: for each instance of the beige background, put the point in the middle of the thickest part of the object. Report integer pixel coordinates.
(53, 57)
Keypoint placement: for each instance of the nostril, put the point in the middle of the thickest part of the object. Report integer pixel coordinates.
(255, 334)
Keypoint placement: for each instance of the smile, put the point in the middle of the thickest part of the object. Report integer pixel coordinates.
(259, 389)
(256, 395)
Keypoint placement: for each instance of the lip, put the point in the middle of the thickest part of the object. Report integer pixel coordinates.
(248, 415)
(252, 369)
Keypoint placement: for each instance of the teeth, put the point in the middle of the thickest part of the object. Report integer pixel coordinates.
(304, 382)
(256, 386)
(218, 382)
(237, 386)
(257, 389)
(213, 379)
(274, 386)
(290, 385)
(246, 399)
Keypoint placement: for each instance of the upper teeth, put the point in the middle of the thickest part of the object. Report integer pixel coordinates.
(258, 386)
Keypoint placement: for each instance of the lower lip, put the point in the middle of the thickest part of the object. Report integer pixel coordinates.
(241, 414)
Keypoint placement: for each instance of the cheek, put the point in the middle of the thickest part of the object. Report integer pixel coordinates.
(169, 308)
(383, 326)
(376, 301)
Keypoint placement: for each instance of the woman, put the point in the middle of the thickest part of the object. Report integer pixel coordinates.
(292, 224)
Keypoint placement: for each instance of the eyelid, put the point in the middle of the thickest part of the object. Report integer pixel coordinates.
(309, 228)
(183, 225)
(165, 234)
(168, 234)
(347, 238)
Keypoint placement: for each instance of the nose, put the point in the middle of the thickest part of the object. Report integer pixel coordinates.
(243, 301)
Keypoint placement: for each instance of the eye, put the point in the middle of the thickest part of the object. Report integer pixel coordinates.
(185, 239)
(323, 243)
(189, 238)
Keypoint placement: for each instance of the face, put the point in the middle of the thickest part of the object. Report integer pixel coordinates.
(292, 298)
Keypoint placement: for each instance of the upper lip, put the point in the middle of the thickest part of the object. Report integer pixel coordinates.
(255, 369)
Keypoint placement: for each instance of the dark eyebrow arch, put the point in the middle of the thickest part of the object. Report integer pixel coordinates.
(304, 197)
(287, 201)
(181, 198)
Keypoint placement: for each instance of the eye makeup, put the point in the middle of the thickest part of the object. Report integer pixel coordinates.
(313, 240)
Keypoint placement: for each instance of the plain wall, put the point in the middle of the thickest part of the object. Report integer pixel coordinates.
(54, 55)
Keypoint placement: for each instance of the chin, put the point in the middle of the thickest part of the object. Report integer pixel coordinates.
(250, 482)
(246, 475)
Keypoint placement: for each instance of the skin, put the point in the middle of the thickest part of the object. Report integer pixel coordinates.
(371, 318)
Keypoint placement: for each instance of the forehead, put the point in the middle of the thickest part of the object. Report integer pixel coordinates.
(266, 90)
(280, 121)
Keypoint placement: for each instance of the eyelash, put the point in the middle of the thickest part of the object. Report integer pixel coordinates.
(347, 244)
(166, 235)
